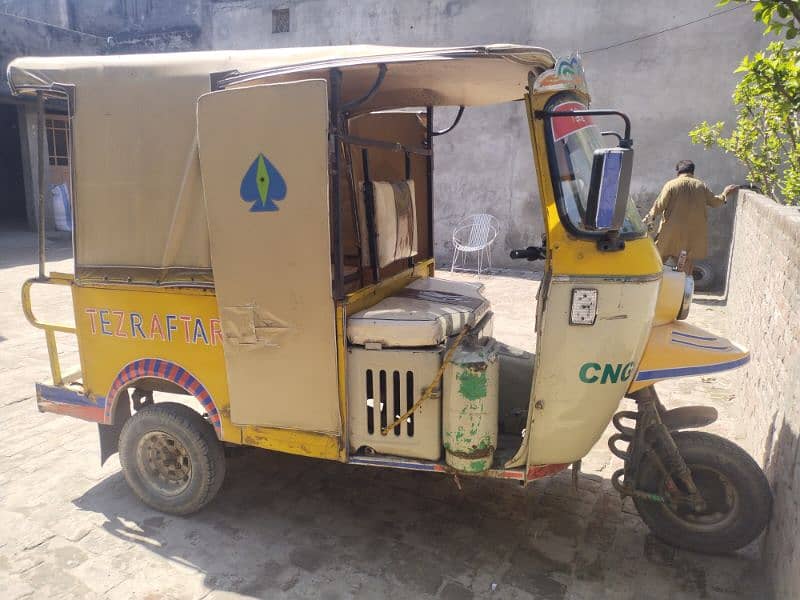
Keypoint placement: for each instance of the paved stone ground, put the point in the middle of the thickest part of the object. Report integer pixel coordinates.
(287, 527)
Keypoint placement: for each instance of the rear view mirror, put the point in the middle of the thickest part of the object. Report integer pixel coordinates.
(608, 189)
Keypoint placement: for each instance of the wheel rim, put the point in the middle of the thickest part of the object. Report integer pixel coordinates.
(719, 494)
(164, 463)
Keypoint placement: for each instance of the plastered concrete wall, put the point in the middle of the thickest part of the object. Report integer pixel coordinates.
(24, 32)
(667, 83)
(764, 314)
(53, 12)
(20, 36)
(110, 17)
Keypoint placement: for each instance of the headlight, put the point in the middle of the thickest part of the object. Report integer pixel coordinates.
(688, 294)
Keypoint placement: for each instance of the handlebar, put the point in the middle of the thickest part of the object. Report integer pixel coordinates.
(530, 253)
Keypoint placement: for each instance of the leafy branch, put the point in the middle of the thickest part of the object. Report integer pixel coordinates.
(766, 135)
(778, 16)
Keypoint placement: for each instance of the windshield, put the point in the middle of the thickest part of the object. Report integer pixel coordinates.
(574, 140)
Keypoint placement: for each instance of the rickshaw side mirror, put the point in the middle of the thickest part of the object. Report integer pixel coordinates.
(609, 188)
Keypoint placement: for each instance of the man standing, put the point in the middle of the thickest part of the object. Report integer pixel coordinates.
(684, 226)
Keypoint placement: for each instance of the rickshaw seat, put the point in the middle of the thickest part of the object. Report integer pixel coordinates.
(424, 313)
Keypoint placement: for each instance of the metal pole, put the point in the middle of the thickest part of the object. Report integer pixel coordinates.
(336, 212)
(429, 145)
(41, 157)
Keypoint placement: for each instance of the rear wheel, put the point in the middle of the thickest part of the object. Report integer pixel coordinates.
(171, 458)
(734, 487)
(703, 276)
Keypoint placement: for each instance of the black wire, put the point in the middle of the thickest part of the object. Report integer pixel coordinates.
(51, 25)
(655, 33)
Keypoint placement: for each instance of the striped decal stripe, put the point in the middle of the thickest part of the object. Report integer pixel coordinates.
(162, 369)
(693, 345)
(694, 337)
(687, 371)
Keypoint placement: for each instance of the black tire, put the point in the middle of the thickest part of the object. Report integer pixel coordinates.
(738, 494)
(171, 458)
(703, 276)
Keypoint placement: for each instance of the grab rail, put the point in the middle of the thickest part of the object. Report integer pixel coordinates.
(50, 329)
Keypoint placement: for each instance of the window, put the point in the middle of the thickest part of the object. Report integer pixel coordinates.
(280, 20)
(136, 10)
(57, 141)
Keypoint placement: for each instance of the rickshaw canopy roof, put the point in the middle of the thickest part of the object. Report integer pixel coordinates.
(137, 192)
(470, 75)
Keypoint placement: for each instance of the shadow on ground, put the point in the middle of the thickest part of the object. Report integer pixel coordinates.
(288, 525)
(525, 271)
(19, 246)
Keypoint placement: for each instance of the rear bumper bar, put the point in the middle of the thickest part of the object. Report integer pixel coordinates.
(66, 401)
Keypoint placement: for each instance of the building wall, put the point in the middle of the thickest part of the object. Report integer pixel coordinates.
(33, 28)
(73, 27)
(21, 35)
(53, 12)
(667, 83)
(12, 194)
(112, 17)
(764, 314)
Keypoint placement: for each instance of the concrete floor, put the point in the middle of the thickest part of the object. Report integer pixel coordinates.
(288, 527)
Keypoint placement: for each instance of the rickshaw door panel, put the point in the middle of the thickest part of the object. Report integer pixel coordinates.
(264, 163)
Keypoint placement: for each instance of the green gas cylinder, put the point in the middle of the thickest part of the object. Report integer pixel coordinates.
(470, 406)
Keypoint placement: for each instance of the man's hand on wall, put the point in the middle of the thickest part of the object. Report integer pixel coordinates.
(729, 190)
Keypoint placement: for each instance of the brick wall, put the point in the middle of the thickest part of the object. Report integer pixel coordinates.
(764, 314)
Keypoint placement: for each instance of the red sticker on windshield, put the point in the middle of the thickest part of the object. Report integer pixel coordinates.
(564, 126)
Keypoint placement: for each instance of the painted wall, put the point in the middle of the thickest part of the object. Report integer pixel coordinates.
(667, 83)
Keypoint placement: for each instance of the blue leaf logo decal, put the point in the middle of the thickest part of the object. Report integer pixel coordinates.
(262, 184)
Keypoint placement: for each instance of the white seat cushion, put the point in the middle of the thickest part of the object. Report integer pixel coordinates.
(424, 313)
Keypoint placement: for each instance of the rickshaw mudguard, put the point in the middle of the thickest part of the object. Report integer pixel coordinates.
(682, 350)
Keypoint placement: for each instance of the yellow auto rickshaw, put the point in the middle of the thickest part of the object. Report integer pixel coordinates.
(254, 230)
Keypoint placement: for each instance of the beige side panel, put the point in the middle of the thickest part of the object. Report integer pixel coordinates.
(263, 157)
(382, 385)
(583, 371)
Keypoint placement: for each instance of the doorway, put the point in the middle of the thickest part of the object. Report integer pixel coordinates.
(13, 212)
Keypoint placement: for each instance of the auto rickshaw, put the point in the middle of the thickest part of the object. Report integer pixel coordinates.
(254, 230)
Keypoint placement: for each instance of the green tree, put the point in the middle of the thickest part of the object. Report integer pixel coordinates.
(766, 135)
(778, 16)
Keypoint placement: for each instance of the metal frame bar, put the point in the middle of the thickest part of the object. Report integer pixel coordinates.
(41, 180)
(333, 168)
(369, 207)
(599, 112)
(383, 145)
(65, 92)
(50, 329)
(407, 168)
(429, 167)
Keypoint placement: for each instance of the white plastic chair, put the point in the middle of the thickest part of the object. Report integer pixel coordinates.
(475, 234)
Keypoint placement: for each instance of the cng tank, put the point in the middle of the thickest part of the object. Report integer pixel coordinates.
(470, 406)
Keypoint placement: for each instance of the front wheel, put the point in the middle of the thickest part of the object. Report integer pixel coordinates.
(734, 487)
(171, 458)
